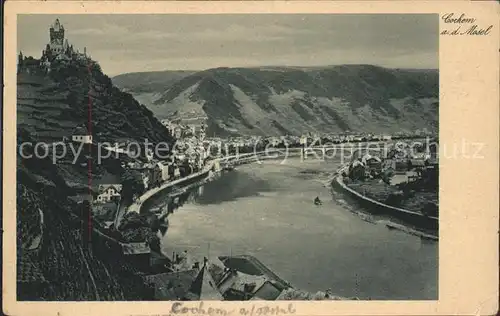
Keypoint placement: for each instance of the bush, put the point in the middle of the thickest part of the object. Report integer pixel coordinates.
(395, 199)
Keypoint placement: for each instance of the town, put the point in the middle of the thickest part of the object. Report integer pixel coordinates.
(111, 203)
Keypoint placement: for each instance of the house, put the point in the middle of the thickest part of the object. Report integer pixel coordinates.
(155, 172)
(134, 165)
(177, 171)
(81, 135)
(170, 286)
(166, 123)
(417, 164)
(137, 253)
(177, 131)
(419, 156)
(400, 166)
(145, 179)
(204, 287)
(244, 286)
(163, 171)
(216, 166)
(267, 292)
(372, 162)
(109, 192)
(274, 141)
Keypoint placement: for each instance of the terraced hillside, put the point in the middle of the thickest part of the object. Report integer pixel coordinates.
(51, 230)
(51, 105)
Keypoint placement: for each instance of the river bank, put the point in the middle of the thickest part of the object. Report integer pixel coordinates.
(230, 197)
(266, 210)
(368, 198)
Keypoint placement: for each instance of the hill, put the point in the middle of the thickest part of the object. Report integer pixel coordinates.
(295, 100)
(51, 230)
(51, 105)
(153, 81)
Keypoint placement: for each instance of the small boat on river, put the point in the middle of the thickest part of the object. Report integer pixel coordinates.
(317, 201)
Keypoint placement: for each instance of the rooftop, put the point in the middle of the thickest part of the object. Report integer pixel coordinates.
(135, 248)
(81, 130)
(171, 286)
(104, 187)
(57, 25)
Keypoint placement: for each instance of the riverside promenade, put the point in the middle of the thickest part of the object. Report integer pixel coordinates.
(137, 205)
(234, 159)
(411, 217)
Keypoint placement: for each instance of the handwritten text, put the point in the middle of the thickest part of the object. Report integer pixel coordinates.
(462, 25)
(179, 309)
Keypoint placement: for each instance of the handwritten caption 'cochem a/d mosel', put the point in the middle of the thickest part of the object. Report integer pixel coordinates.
(461, 24)
(202, 309)
(252, 310)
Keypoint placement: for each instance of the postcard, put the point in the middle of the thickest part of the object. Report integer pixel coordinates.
(251, 158)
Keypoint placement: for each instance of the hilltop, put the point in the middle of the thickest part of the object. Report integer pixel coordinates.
(153, 81)
(50, 105)
(295, 100)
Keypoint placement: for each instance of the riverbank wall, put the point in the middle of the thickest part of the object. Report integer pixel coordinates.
(201, 177)
(191, 181)
(377, 208)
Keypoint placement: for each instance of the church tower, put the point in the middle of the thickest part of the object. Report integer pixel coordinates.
(56, 37)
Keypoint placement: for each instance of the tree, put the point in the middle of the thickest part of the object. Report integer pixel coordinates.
(132, 183)
(387, 175)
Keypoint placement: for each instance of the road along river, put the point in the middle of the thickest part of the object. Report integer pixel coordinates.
(267, 210)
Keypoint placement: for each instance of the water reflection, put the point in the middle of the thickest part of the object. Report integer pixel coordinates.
(228, 186)
(267, 211)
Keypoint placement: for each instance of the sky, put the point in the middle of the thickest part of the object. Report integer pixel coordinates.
(140, 42)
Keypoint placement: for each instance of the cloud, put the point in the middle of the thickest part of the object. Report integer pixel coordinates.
(127, 43)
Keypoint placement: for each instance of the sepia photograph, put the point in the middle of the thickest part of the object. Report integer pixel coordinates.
(235, 157)
(250, 159)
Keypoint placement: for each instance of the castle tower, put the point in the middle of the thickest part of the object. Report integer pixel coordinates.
(20, 60)
(56, 37)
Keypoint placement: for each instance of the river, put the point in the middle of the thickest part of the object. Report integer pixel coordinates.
(267, 210)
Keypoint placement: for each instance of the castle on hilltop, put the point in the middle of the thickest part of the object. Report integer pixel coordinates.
(58, 49)
(57, 43)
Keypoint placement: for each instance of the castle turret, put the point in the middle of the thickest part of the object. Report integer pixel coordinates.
(57, 37)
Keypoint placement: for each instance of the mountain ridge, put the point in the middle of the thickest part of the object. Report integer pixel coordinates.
(295, 100)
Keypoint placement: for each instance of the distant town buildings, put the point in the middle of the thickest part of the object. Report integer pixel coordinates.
(191, 128)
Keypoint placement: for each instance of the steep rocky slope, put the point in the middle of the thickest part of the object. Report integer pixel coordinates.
(286, 100)
(53, 236)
